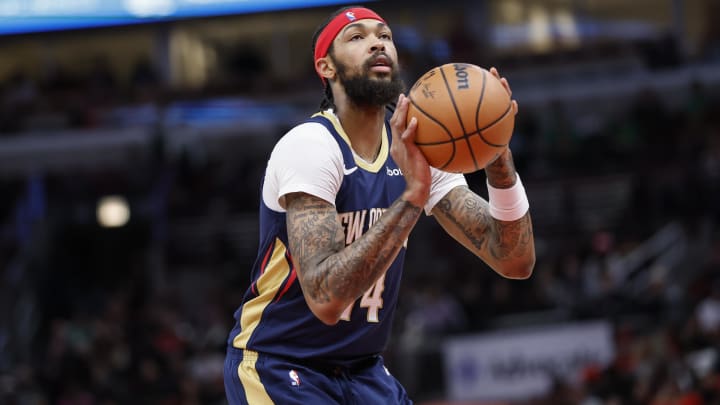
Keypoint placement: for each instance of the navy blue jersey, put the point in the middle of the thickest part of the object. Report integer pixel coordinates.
(274, 317)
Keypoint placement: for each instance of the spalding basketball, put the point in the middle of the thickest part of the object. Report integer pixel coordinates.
(464, 115)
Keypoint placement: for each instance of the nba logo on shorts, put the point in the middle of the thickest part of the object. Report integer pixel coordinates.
(294, 378)
(350, 15)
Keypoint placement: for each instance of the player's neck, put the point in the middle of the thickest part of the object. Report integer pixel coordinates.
(364, 128)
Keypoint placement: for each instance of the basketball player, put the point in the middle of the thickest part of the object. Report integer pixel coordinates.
(341, 193)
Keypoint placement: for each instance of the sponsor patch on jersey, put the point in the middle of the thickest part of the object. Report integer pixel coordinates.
(393, 172)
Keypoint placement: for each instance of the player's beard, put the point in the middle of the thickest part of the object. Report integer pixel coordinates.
(364, 91)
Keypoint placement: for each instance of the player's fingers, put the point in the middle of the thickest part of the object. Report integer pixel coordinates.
(515, 106)
(506, 85)
(410, 132)
(503, 80)
(397, 121)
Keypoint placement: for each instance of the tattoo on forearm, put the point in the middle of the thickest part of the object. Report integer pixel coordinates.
(467, 214)
(513, 238)
(470, 214)
(330, 270)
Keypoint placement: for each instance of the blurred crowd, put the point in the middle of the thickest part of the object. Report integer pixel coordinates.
(141, 314)
(63, 98)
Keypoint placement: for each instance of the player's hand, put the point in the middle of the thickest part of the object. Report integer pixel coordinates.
(505, 84)
(407, 155)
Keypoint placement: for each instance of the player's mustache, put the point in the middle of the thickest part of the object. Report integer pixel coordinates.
(377, 55)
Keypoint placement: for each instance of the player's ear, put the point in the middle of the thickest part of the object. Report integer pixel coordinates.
(325, 68)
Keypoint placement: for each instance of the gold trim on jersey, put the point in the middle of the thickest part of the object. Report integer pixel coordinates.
(379, 162)
(255, 392)
(268, 285)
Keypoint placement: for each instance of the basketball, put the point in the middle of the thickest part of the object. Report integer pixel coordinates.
(464, 117)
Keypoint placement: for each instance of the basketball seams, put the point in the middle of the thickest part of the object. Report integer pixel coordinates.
(452, 155)
(417, 107)
(479, 132)
(480, 101)
(452, 100)
(493, 130)
(459, 117)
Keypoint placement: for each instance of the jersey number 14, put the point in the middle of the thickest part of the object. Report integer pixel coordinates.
(372, 300)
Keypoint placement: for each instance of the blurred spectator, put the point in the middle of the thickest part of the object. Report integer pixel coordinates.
(708, 312)
(711, 41)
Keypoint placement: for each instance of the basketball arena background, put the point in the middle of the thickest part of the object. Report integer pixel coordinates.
(133, 136)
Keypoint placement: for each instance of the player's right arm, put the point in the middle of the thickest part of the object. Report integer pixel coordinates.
(332, 275)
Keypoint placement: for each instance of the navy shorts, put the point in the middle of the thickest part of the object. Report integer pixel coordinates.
(258, 379)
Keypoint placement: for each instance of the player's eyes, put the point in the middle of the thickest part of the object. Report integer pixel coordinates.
(357, 37)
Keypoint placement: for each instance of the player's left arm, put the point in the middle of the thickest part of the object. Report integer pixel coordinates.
(506, 243)
(507, 246)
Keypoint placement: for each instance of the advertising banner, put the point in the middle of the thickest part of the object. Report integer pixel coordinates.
(521, 364)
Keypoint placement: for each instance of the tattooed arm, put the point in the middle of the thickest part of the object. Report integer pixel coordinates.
(506, 246)
(332, 275)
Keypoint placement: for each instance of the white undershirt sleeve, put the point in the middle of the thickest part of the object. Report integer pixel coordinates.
(442, 183)
(306, 159)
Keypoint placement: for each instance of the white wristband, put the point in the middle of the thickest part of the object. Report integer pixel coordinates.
(508, 204)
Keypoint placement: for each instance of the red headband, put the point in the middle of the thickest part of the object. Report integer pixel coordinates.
(331, 30)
